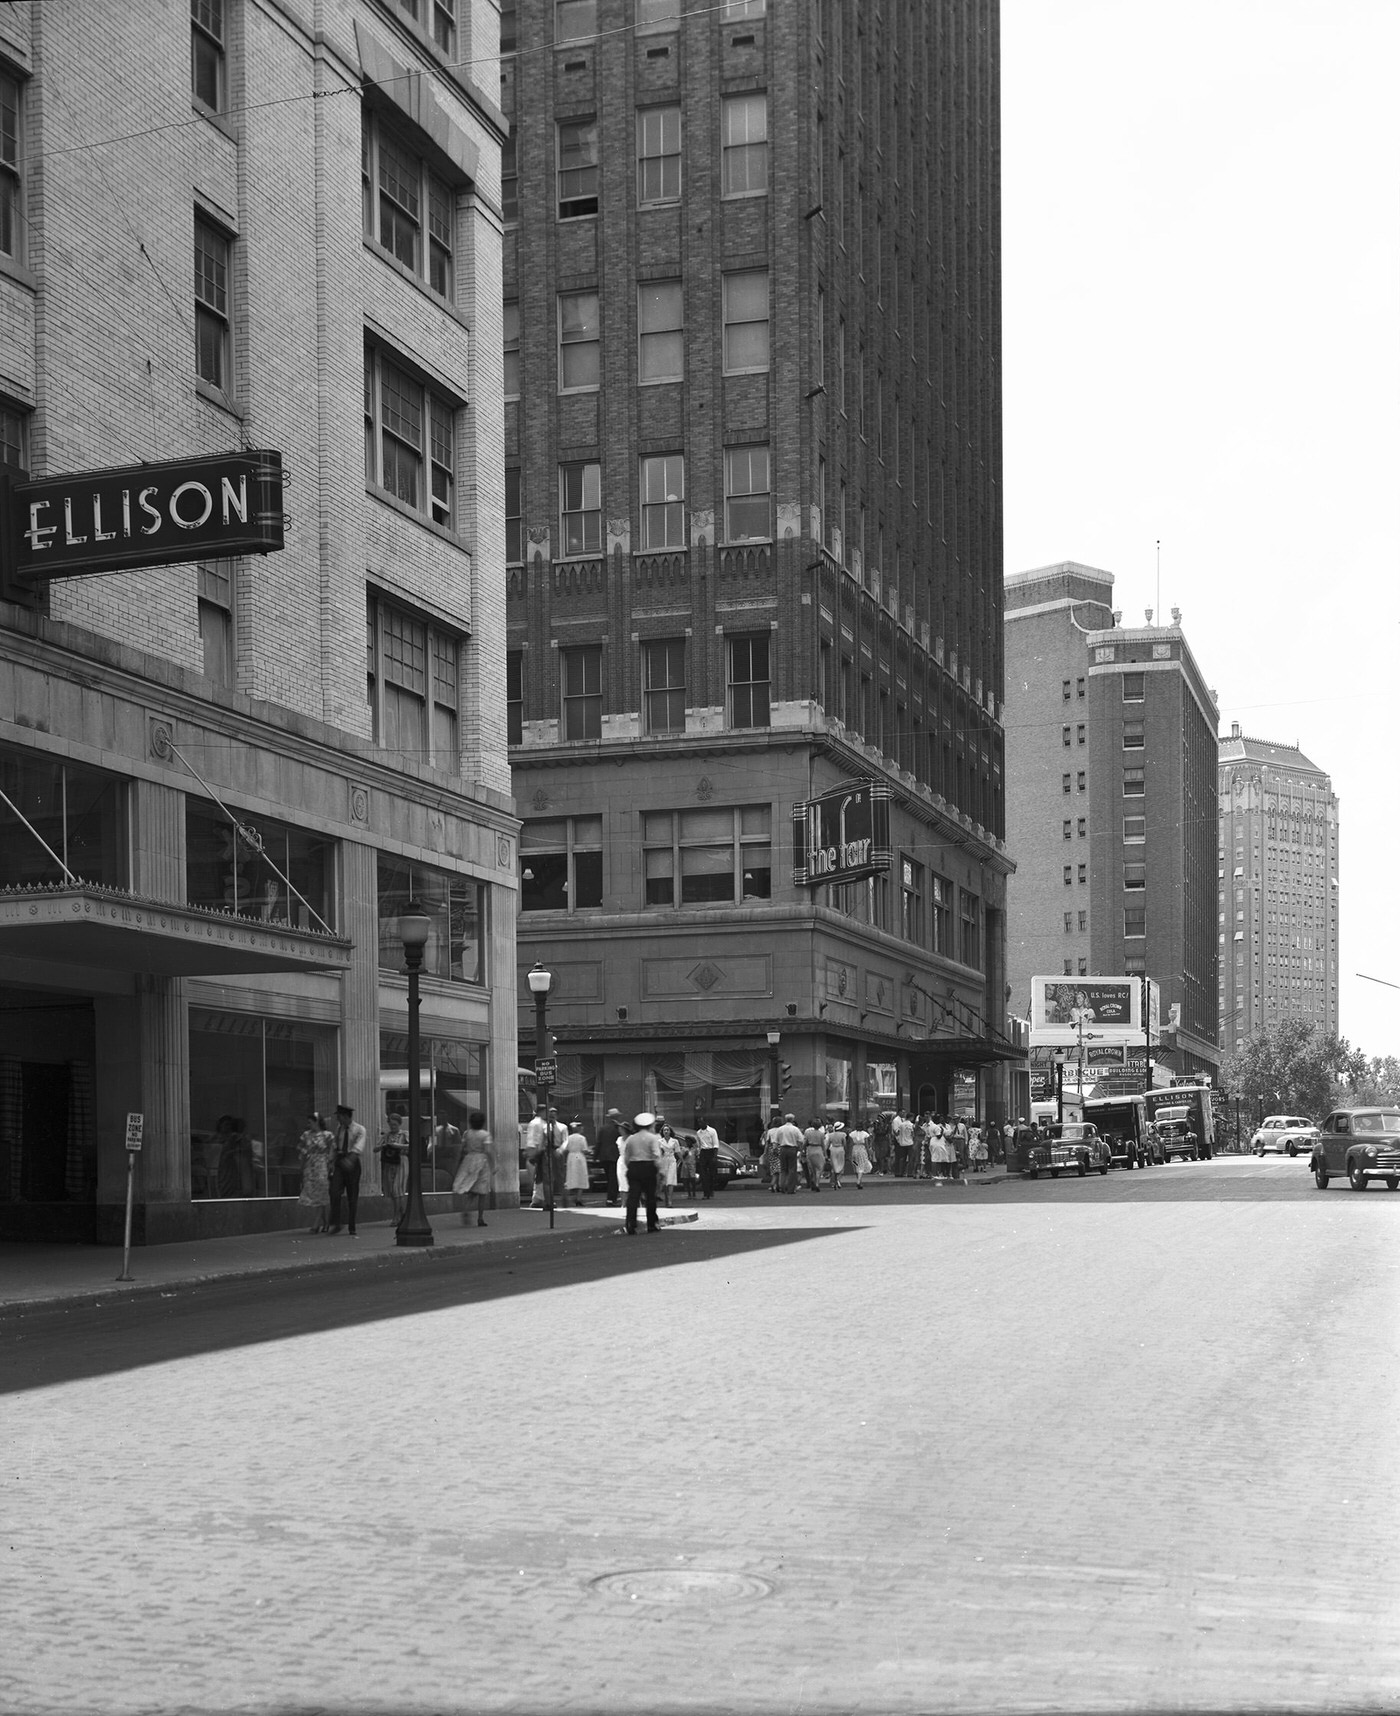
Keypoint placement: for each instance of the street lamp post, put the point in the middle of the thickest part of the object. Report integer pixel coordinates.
(1082, 1017)
(541, 982)
(415, 926)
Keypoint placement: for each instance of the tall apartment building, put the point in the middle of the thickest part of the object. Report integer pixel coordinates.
(1278, 878)
(227, 236)
(1111, 801)
(754, 532)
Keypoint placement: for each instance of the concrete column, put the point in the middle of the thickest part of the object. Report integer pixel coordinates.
(359, 1032)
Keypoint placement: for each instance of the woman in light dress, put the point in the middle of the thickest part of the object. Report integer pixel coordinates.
(667, 1167)
(860, 1154)
(836, 1153)
(316, 1148)
(575, 1157)
(472, 1181)
(977, 1150)
(392, 1151)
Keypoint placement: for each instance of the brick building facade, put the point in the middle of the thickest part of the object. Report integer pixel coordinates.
(754, 526)
(1279, 873)
(225, 229)
(1111, 802)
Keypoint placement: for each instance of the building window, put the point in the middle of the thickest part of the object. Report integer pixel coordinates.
(1132, 736)
(1135, 965)
(1079, 734)
(286, 878)
(911, 901)
(1064, 782)
(578, 167)
(399, 190)
(746, 321)
(1064, 737)
(1069, 874)
(1134, 830)
(747, 509)
(1079, 687)
(510, 179)
(971, 952)
(510, 349)
(581, 508)
(208, 54)
(211, 310)
(561, 864)
(1083, 872)
(663, 670)
(748, 681)
(575, 20)
(940, 894)
(1083, 920)
(657, 11)
(582, 690)
(1069, 968)
(1069, 922)
(409, 440)
(1133, 687)
(663, 501)
(745, 8)
(1082, 828)
(79, 814)
(1079, 781)
(744, 154)
(1134, 921)
(515, 533)
(708, 857)
(412, 683)
(14, 437)
(1068, 829)
(1134, 783)
(455, 948)
(660, 331)
(578, 342)
(216, 619)
(515, 697)
(1083, 967)
(1064, 689)
(658, 155)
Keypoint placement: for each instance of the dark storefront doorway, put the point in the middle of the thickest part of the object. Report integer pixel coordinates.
(48, 1139)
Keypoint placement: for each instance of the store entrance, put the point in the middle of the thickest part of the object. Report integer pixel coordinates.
(48, 1139)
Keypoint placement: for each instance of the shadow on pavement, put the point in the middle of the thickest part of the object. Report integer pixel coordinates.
(55, 1344)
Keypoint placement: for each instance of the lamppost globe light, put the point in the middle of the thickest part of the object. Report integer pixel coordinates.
(540, 980)
(414, 925)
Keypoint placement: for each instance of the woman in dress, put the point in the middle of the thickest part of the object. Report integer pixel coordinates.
(688, 1168)
(472, 1181)
(392, 1150)
(836, 1153)
(860, 1154)
(316, 1148)
(575, 1158)
(666, 1168)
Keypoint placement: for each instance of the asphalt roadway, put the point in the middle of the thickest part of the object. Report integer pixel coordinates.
(1078, 1445)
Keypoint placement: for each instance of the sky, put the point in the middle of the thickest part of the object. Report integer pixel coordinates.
(1201, 342)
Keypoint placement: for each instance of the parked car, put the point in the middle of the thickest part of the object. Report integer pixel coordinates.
(1284, 1135)
(735, 1162)
(1074, 1146)
(1362, 1143)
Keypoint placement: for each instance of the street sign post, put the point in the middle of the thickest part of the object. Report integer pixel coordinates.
(135, 1126)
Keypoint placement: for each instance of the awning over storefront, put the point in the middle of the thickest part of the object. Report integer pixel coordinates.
(967, 1051)
(81, 925)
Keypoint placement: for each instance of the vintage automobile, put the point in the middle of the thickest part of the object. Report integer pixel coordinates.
(1177, 1136)
(1076, 1145)
(1362, 1143)
(1284, 1135)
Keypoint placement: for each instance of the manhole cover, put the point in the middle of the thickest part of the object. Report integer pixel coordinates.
(682, 1585)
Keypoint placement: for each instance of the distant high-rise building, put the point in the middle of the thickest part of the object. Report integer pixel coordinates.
(1278, 865)
(753, 516)
(1110, 801)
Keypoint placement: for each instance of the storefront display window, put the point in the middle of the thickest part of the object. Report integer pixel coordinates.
(78, 813)
(231, 871)
(730, 1086)
(451, 1084)
(838, 1083)
(881, 1084)
(456, 906)
(253, 1082)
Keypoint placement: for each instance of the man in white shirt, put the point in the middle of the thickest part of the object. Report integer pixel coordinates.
(347, 1166)
(540, 1133)
(642, 1154)
(708, 1141)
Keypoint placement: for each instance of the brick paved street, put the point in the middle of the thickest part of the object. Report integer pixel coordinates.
(1084, 1445)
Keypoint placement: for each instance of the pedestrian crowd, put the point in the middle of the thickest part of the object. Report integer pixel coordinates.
(898, 1146)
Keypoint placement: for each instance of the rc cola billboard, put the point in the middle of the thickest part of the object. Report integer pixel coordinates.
(1111, 1008)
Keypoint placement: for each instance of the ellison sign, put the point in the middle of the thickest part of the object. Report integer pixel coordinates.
(843, 835)
(140, 515)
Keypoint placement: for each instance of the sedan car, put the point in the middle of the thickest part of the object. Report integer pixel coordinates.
(1362, 1143)
(735, 1162)
(1284, 1135)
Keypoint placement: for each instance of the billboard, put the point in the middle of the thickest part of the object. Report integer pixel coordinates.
(1111, 1008)
(842, 836)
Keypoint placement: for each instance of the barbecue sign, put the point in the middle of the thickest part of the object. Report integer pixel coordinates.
(139, 515)
(843, 835)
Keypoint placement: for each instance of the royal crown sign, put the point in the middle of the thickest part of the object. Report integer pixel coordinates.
(140, 515)
(842, 836)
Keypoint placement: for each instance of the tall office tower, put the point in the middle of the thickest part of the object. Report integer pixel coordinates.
(1278, 875)
(1111, 801)
(753, 479)
(233, 250)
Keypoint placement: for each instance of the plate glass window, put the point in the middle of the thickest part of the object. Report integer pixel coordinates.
(582, 686)
(708, 857)
(748, 681)
(208, 50)
(211, 308)
(658, 155)
(578, 168)
(747, 499)
(664, 670)
(663, 501)
(581, 508)
(744, 156)
(79, 813)
(746, 321)
(456, 908)
(561, 864)
(660, 331)
(578, 341)
(283, 878)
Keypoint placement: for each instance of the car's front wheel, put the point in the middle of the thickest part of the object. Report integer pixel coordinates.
(1320, 1177)
(1356, 1177)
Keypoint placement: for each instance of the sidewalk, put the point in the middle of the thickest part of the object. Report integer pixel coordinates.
(45, 1275)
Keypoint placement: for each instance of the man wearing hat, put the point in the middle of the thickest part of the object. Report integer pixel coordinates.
(642, 1154)
(609, 1148)
(348, 1166)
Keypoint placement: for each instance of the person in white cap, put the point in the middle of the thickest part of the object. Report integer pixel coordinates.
(641, 1154)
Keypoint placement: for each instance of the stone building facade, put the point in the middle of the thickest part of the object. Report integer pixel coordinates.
(233, 226)
(754, 531)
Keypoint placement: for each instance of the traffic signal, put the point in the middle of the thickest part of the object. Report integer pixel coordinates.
(784, 1077)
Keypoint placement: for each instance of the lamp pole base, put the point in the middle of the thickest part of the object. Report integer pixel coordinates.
(413, 1235)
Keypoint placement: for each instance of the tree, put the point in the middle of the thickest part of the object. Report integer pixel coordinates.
(1294, 1067)
(1376, 1080)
